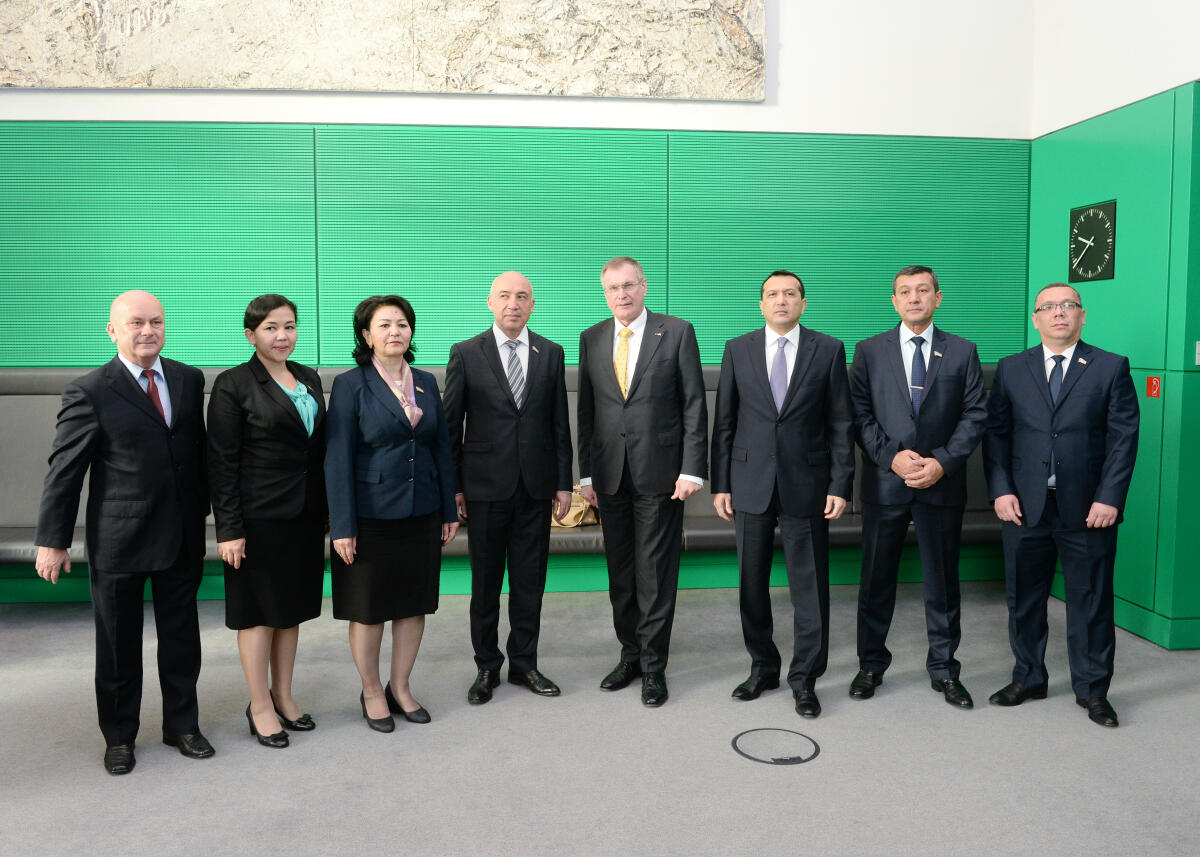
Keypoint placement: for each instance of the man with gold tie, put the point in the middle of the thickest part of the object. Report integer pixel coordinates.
(642, 451)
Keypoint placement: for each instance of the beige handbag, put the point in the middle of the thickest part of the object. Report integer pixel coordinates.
(581, 513)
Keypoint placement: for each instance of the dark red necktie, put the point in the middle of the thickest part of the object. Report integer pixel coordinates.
(152, 392)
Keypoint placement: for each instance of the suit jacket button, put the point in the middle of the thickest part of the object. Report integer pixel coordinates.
(410, 459)
(410, 479)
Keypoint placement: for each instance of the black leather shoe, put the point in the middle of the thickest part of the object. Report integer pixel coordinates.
(118, 759)
(753, 687)
(654, 689)
(953, 691)
(1098, 709)
(418, 716)
(481, 691)
(807, 704)
(864, 684)
(625, 672)
(192, 744)
(1015, 694)
(303, 723)
(535, 681)
(379, 724)
(279, 740)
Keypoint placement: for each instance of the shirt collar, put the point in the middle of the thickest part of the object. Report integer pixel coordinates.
(906, 333)
(637, 325)
(1068, 353)
(792, 336)
(502, 337)
(136, 370)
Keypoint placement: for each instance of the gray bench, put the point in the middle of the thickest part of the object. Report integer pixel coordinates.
(29, 402)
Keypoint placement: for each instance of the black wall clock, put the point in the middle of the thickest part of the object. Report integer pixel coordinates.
(1092, 252)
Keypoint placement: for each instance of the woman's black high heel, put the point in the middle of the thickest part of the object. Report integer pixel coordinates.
(278, 741)
(303, 723)
(418, 716)
(379, 724)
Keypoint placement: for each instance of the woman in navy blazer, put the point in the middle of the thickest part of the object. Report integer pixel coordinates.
(266, 429)
(390, 482)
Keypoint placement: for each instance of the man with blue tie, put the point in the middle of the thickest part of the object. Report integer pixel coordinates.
(919, 413)
(783, 455)
(137, 423)
(1059, 450)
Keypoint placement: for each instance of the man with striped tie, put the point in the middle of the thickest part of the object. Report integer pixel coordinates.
(919, 413)
(506, 409)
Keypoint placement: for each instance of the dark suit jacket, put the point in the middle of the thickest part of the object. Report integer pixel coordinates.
(504, 443)
(376, 464)
(148, 493)
(1093, 431)
(949, 425)
(261, 461)
(807, 448)
(661, 428)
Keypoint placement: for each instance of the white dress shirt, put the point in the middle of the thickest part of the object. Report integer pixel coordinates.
(522, 349)
(160, 381)
(771, 346)
(908, 350)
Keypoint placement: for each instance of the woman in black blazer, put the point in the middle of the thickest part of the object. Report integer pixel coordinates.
(390, 482)
(265, 469)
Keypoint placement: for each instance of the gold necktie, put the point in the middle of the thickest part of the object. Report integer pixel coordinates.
(621, 361)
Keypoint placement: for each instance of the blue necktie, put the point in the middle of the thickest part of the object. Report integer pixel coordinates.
(516, 378)
(779, 378)
(917, 385)
(1056, 379)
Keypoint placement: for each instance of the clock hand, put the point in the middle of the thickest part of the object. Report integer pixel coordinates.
(1087, 241)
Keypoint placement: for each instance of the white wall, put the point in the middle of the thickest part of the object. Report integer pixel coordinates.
(1091, 56)
(930, 67)
(920, 67)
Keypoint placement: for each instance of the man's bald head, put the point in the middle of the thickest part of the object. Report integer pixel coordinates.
(511, 302)
(136, 325)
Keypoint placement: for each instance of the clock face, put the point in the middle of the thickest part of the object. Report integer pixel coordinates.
(1093, 242)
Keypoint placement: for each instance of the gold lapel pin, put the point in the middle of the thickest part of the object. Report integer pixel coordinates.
(418, 389)
(1082, 362)
(937, 354)
(535, 350)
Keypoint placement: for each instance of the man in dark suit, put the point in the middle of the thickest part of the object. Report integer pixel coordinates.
(918, 411)
(783, 454)
(643, 437)
(137, 423)
(1059, 449)
(512, 467)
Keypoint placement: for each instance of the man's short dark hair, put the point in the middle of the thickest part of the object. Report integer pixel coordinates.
(781, 273)
(262, 306)
(1038, 296)
(362, 320)
(912, 270)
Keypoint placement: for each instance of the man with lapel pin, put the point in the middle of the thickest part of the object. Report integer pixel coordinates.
(783, 455)
(919, 413)
(643, 443)
(137, 423)
(512, 466)
(1061, 439)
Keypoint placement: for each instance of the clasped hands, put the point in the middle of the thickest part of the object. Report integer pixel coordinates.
(916, 470)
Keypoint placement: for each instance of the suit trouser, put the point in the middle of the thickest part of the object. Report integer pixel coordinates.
(939, 532)
(1087, 556)
(806, 555)
(516, 529)
(118, 608)
(643, 535)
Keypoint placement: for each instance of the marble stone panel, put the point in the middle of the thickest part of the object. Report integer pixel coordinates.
(697, 49)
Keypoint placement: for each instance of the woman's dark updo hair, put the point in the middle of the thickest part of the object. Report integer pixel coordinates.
(262, 306)
(362, 321)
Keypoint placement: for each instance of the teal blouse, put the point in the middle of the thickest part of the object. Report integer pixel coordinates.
(305, 404)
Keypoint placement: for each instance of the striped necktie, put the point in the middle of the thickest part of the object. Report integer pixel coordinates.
(516, 378)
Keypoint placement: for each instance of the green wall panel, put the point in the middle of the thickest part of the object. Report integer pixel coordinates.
(205, 216)
(1124, 155)
(1183, 318)
(1178, 590)
(435, 214)
(845, 213)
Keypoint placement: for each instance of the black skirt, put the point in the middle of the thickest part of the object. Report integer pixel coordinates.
(279, 583)
(396, 572)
